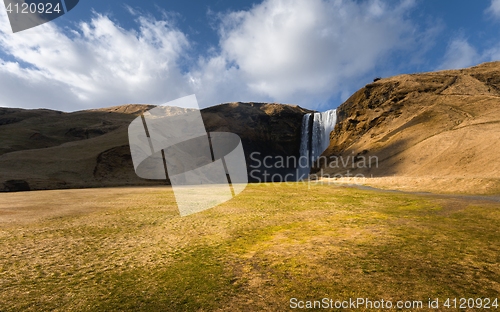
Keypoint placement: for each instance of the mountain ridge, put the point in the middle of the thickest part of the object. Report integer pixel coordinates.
(437, 124)
(44, 149)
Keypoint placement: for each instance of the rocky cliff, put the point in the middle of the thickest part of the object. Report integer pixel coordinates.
(266, 130)
(441, 124)
(44, 149)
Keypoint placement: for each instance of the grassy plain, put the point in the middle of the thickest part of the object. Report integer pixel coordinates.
(126, 249)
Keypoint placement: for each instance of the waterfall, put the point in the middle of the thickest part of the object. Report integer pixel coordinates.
(304, 140)
(315, 138)
(323, 124)
(304, 161)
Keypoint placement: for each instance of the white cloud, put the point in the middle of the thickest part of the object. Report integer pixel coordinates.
(460, 54)
(96, 64)
(308, 51)
(294, 51)
(494, 8)
(492, 54)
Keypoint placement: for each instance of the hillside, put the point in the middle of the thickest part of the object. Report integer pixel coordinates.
(431, 131)
(443, 124)
(44, 149)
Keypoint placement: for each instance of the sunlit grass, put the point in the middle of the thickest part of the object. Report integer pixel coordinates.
(129, 249)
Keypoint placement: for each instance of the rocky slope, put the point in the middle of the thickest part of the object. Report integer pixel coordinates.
(266, 130)
(44, 149)
(440, 124)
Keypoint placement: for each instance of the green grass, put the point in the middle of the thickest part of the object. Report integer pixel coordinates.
(271, 243)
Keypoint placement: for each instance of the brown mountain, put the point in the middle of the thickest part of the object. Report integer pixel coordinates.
(45, 149)
(442, 124)
(436, 131)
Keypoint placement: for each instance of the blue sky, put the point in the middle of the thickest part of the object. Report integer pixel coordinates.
(314, 53)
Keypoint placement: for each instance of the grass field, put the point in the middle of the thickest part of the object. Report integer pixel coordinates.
(128, 249)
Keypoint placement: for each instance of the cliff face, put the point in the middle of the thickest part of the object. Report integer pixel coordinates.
(266, 130)
(444, 123)
(44, 149)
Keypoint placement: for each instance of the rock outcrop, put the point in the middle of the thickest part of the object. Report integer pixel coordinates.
(266, 130)
(442, 124)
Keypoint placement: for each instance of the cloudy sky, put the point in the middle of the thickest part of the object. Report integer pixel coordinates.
(314, 53)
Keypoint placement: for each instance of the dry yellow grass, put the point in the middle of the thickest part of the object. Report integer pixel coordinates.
(438, 185)
(128, 249)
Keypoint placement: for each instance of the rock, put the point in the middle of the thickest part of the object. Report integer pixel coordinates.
(16, 186)
(266, 130)
(442, 124)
